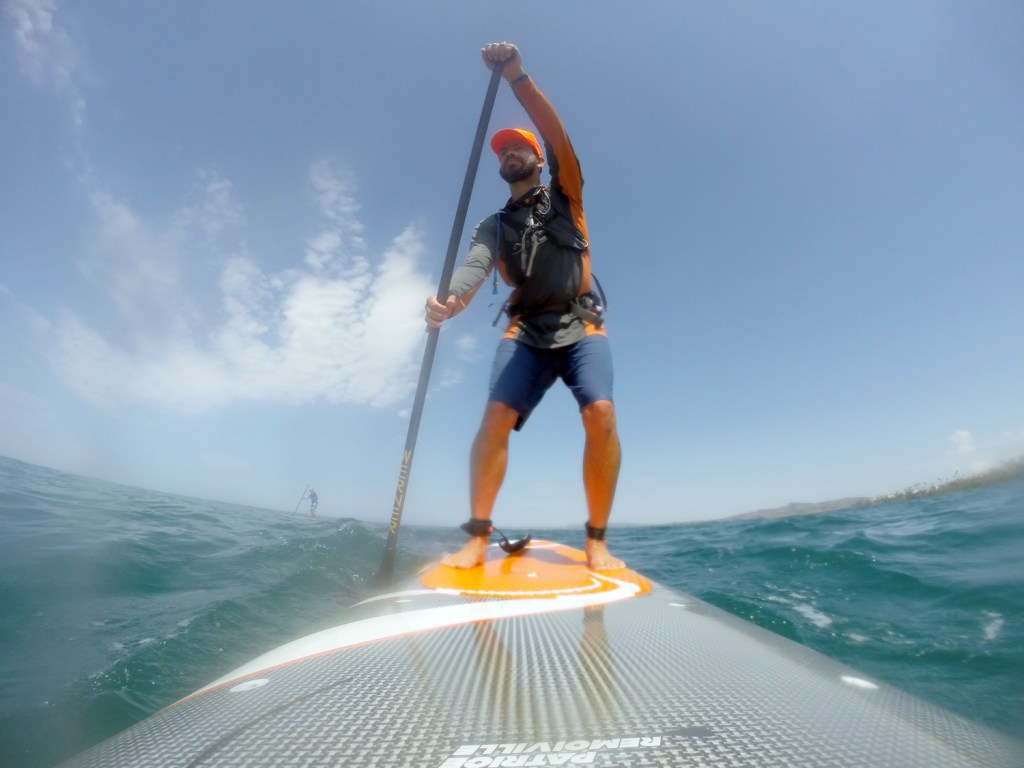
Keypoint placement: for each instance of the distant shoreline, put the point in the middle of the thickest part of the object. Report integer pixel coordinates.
(1005, 471)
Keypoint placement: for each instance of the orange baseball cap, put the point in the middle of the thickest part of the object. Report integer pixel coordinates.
(505, 135)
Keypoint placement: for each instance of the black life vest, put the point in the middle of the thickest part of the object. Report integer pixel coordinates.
(518, 241)
(549, 230)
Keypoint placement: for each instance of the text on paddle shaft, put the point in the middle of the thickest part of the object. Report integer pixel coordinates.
(403, 476)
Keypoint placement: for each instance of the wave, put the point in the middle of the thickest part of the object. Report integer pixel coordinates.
(120, 601)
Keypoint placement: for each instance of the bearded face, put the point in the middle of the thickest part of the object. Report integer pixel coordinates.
(518, 162)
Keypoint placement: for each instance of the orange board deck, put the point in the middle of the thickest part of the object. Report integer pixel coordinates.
(544, 569)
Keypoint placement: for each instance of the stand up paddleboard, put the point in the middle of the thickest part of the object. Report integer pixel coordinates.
(533, 660)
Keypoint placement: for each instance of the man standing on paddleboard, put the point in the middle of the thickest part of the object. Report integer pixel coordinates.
(538, 243)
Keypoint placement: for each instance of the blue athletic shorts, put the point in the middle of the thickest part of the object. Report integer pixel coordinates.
(521, 374)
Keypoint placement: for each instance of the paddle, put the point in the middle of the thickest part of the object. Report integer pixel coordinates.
(300, 499)
(387, 565)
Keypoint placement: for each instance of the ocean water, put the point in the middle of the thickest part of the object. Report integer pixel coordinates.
(116, 601)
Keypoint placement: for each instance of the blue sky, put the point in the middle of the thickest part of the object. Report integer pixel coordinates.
(219, 221)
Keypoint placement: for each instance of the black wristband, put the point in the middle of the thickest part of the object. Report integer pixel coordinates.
(521, 79)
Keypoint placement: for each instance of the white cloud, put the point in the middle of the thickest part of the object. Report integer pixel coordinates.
(46, 53)
(346, 328)
(138, 269)
(468, 346)
(1011, 443)
(962, 442)
(449, 377)
(214, 210)
(336, 201)
(971, 454)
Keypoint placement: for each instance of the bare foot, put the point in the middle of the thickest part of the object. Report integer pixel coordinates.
(599, 558)
(470, 556)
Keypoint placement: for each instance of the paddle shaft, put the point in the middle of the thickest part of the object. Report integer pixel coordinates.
(301, 498)
(387, 564)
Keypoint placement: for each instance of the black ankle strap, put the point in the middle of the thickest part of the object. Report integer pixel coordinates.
(595, 533)
(478, 527)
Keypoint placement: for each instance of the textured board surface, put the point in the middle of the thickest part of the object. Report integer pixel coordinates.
(532, 660)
